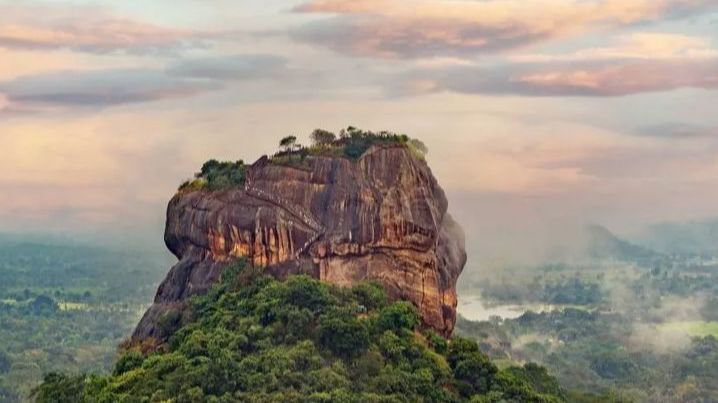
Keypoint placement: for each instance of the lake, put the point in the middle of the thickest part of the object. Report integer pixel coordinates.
(472, 307)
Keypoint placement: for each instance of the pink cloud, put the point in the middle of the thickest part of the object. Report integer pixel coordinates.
(425, 28)
(636, 63)
(88, 29)
(622, 79)
(639, 46)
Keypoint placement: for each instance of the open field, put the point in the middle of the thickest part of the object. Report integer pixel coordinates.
(692, 328)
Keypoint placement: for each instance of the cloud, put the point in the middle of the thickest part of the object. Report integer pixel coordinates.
(86, 29)
(678, 131)
(234, 67)
(9, 109)
(588, 79)
(636, 63)
(635, 46)
(616, 80)
(101, 88)
(111, 87)
(428, 28)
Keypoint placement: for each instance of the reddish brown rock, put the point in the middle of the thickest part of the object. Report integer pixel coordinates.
(382, 218)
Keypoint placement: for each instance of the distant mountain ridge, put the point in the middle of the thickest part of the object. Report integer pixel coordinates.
(694, 237)
(601, 243)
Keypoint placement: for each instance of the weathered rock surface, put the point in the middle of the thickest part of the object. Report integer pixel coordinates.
(382, 218)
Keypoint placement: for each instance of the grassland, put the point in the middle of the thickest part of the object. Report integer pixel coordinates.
(692, 328)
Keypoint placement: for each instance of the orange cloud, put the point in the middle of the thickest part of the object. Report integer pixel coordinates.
(103, 35)
(89, 29)
(643, 62)
(425, 28)
(641, 45)
(620, 79)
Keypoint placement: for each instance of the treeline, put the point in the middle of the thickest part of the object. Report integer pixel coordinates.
(350, 143)
(565, 291)
(75, 273)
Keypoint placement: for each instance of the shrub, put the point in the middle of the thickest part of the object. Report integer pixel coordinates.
(371, 296)
(473, 371)
(397, 317)
(418, 148)
(44, 305)
(343, 334)
(289, 143)
(323, 137)
(351, 143)
(5, 362)
(538, 377)
(60, 388)
(128, 361)
(459, 348)
(215, 175)
(305, 292)
(437, 342)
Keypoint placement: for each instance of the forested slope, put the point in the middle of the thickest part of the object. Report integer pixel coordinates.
(253, 338)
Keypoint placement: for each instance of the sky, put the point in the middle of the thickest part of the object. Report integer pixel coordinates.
(539, 114)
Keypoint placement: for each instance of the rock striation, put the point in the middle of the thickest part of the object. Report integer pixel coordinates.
(382, 217)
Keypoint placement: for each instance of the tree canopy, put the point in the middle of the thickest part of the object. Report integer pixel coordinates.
(323, 137)
(216, 175)
(253, 338)
(288, 143)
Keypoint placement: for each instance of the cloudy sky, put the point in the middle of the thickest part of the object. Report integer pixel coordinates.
(537, 113)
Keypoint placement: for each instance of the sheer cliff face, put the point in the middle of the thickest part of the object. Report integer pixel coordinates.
(382, 218)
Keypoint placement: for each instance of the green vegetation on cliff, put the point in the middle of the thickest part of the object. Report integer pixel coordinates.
(256, 339)
(351, 143)
(216, 175)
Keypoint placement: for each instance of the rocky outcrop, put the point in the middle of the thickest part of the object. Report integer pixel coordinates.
(382, 217)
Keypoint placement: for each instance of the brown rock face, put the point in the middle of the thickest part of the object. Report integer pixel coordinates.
(382, 218)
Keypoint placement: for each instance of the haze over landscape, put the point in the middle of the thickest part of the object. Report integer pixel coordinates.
(539, 115)
(573, 141)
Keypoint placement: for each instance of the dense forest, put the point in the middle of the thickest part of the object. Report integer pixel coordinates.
(253, 338)
(65, 307)
(643, 329)
(603, 353)
(616, 330)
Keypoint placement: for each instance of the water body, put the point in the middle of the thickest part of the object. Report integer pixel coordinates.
(472, 307)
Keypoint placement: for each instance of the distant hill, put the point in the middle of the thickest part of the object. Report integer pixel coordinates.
(11, 239)
(603, 244)
(695, 237)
